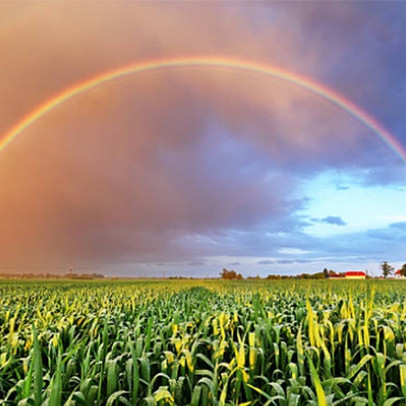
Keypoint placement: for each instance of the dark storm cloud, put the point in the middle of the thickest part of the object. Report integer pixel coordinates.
(364, 59)
(175, 166)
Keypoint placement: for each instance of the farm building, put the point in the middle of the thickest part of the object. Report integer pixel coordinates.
(355, 275)
(398, 275)
(336, 276)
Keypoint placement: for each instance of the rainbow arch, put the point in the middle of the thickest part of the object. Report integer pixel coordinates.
(210, 62)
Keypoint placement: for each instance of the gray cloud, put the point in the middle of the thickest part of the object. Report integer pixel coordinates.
(265, 262)
(335, 220)
(293, 261)
(196, 263)
(173, 166)
(401, 225)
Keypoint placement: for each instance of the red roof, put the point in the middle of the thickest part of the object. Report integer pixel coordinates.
(397, 272)
(355, 273)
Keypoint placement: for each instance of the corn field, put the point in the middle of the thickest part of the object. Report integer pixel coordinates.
(203, 343)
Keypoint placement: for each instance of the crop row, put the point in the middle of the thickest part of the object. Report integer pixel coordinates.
(202, 343)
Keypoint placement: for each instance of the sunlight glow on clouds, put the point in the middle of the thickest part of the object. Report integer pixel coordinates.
(189, 171)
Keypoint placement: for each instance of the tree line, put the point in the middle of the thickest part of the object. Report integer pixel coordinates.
(11, 275)
(387, 269)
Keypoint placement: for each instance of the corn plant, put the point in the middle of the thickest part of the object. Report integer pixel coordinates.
(202, 343)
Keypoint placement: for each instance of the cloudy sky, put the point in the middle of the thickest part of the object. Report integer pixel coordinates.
(186, 171)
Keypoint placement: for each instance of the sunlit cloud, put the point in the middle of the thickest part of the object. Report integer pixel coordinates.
(192, 170)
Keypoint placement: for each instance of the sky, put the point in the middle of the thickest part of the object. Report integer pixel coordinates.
(190, 170)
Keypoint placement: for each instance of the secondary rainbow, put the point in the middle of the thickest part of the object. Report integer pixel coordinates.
(206, 62)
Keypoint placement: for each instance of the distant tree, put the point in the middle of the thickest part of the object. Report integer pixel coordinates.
(318, 275)
(403, 270)
(228, 275)
(386, 269)
(367, 275)
(273, 277)
(254, 278)
(325, 272)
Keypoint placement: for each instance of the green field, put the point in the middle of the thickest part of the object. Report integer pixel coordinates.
(203, 343)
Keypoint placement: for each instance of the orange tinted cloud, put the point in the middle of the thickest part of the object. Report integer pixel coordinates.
(142, 168)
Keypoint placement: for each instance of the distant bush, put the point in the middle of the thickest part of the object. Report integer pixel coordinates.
(230, 275)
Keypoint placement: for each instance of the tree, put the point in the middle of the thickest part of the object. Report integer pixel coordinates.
(229, 275)
(325, 272)
(403, 270)
(386, 269)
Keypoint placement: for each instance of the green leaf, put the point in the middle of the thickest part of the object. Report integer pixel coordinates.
(114, 396)
(321, 397)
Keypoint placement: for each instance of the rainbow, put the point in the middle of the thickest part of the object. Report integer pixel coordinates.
(206, 62)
